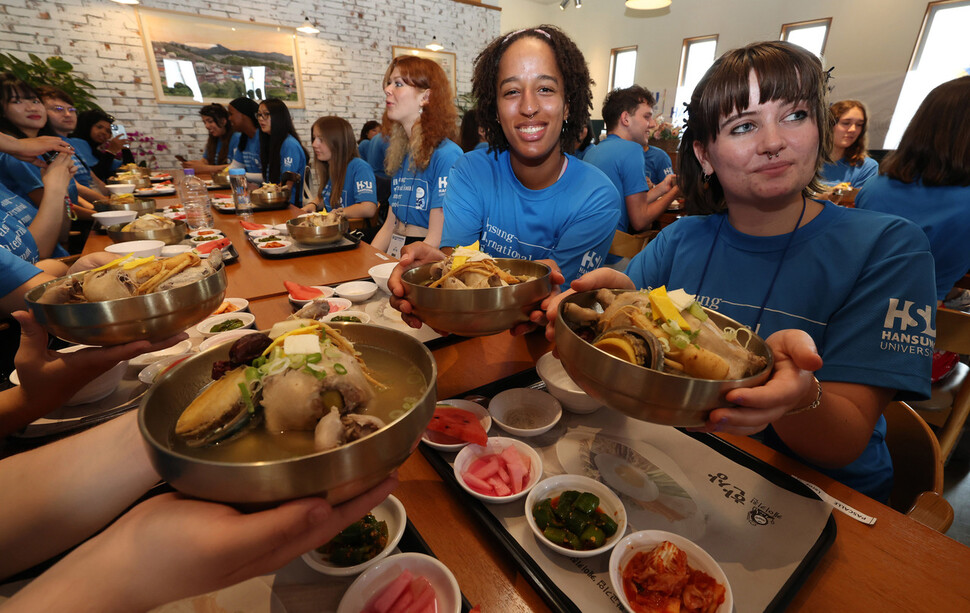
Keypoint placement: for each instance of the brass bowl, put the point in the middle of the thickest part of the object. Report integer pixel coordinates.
(142, 171)
(139, 205)
(268, 202)
(643, 393)
(317, 235)
(478, 312)
(220, 179)
(169, 236)
(151, 317)
(338, 474)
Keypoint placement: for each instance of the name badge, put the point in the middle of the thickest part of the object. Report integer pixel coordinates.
(397, 242)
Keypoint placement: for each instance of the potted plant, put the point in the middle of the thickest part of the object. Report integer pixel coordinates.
(54, 71)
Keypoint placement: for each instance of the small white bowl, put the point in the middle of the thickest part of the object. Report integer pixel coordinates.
(246, 318)
(356, 291)
(390, 511)
(380, 575)
(264, 232)
(238, 304)
(362, 316)
(327, 293)
(497, 444)
(557, 380)
(101, 387)
(143, 360)
(138, 249)
(169, 251)
(646, 541)
(553, 487)
(206, 232)
(225, 337)
(110, 218)
(437, 440)
(266, 249)
(544, 411)
(205, 238)
(153, 371)
(381, 273)
(121, 188)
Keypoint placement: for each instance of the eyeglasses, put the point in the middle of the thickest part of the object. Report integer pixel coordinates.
(63, 109)
(262, 115)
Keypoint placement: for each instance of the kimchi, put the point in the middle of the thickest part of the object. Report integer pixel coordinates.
(661, 581)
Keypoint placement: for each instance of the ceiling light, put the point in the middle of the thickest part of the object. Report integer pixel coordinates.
(647, 5)
(307, 27)
(579, 4)
(126, 1)
(562, 5)
(434, 45)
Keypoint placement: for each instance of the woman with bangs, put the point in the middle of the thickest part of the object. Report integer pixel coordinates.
(419, 121)
(280, 149)
(849, 153)
(844, 297)
(221, 143)
(337, 163)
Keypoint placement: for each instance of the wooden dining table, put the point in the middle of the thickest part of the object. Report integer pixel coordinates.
(897, 564)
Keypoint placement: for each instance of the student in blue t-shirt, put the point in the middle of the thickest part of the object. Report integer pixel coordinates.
(98, 148)
(245, 152)
(336, 163)
(280, 148)
(657, 164)
(62, 119)
(221, 143)
(419, 117)
(850, 321)
(32, 232)
(367, 132)
(851, 162)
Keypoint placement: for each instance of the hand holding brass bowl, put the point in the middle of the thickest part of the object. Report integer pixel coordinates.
(170, 235)
(644, 393)
(478, 312)
(337, 474)
(317, 235)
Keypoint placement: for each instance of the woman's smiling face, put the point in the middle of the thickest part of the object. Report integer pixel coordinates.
(531, 101)
(212, 126)
(28, 114)
(101, 132)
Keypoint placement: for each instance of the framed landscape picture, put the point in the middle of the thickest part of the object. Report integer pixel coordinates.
(198, 60)
(445, 59)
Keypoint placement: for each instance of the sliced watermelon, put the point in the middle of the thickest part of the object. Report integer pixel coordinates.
(248, 225)
(461, 424)
(209, 246)
(301, 292)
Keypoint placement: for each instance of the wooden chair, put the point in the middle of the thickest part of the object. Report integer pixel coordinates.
(627, 245)
(918, 468)
(952, 334)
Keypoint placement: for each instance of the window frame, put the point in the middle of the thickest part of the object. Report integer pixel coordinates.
(918, 44)
(799, 25)
(613, 54)
(684, 53)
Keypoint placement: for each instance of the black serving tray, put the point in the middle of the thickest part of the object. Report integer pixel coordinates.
(350, 240)
(541, 582)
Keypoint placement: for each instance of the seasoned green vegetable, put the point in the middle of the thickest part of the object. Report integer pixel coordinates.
(226, 325)
(574, 521)
(359, 542)
(352, 318)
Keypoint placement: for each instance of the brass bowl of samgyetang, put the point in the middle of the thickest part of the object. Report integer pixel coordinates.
(138, 299)
(647, 367)
(477, 310)
(332, 420)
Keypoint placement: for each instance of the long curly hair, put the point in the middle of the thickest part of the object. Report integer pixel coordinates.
(784, 72)
(438, 119)
(577, 85)
(857, 152)
(218, 113)
(338, 135)
(935, 147)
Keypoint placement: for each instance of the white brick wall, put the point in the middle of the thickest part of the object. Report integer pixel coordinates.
(341, 66)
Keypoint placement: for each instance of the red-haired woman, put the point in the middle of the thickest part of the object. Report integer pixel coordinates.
(419, 120)
(850, 160)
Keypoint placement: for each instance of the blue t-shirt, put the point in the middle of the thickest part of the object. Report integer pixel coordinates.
(358, 185)
(362, 147)
(292, 159)
(14, 271)
(843, 172)
(415, 192)
(233, 145)
(571, 222)
(622, 161)
(657, 164)
(867, 302)
(83, 174)
(375, 154)
(22, 177)
(248, 156)
(90, 157)
(16, 213)
(482, 146)
(942, 212)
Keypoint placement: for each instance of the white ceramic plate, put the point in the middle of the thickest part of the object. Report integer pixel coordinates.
(155, 191)
(378, 576)
(152, 371)
(443, 442)
(143, 360)
(225, 337)
(390, 511)
(247, 319)
(553, 487)
(206, 232)
(469, 453)
(646, 541)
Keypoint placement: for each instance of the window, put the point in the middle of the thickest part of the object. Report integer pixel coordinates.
(623, 63)
(808, 34)
(941, 53)
(696, 57)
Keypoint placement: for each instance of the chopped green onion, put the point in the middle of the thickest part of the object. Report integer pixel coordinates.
(340, 369)
(697, 311)
(259, 361)
(251, 374)
(319, 374)
(313, 358)
(247, 398)
(396, 413)
(680, 340)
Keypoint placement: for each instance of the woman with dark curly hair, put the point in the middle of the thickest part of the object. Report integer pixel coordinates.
(222, 140)
(280, 147)
(849, 153)
(526, 197)
(102, 152)
(419, 121)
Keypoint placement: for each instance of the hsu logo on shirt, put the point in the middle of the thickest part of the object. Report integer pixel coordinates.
(590, 260)
(906, 328)
(363, 186)
(442, 184)
(288, 160)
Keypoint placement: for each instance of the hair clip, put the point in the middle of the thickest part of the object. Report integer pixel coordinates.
(517, 32)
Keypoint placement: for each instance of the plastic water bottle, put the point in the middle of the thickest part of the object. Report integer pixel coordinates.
(240, 193)
(195, 201)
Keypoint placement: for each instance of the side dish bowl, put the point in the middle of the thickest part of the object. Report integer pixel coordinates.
(390, 511)
(317, 235)
(496, 444)
(525, 412)
(170, 236)
(555, 486)
(478, 312)
(380, 575)
(205, 328)
(558, 382)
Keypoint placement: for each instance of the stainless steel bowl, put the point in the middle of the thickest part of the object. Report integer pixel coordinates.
(268, 202)
(152, 317)
(142, 171)
(220, 179)
(139, 205)
(169, 236)
(338, 474)
(317, 235)
(478, 312)
(642, 393)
